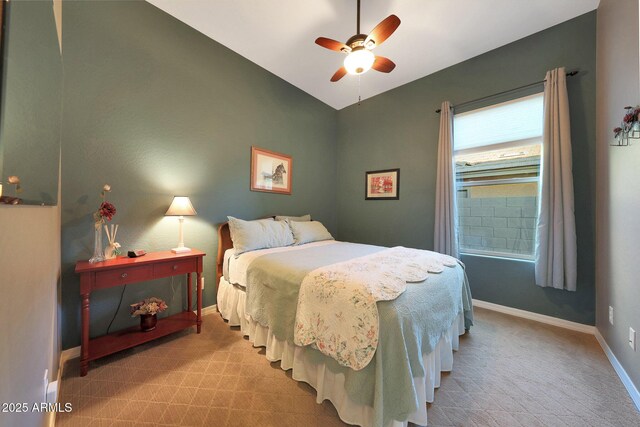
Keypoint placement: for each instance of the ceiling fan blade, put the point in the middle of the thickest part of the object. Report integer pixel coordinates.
(382, 64)
(339, 74)
(382, 31)
(332, 44)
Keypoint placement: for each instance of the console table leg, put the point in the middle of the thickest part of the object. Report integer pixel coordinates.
(199, 296)
(189, 306)
(84, 353)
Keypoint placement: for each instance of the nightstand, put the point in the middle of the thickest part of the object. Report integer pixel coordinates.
(122, 271)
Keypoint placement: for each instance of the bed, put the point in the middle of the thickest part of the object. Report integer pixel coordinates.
(418, 330)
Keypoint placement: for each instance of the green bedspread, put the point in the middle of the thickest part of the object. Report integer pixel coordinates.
(410, 325)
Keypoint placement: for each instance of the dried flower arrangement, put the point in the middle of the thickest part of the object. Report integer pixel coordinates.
(151, 306)
(106, 211)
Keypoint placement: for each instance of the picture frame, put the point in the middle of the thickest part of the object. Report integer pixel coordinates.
(271, 172)
(382, 185)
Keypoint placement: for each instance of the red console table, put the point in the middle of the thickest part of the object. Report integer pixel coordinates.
(123, 270)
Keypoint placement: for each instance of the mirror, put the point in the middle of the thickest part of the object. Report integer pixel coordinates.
(30, 103)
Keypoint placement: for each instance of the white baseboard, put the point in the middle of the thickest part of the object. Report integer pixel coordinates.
(65, 355)
(624, 377)
(549, 320)
(68, 354)
(73, 353)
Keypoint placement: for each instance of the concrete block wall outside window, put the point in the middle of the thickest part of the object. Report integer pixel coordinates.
(503, 225)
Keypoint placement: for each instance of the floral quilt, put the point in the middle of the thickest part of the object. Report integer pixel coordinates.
(337, 311)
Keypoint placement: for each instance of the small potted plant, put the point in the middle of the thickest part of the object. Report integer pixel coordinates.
(148, 310)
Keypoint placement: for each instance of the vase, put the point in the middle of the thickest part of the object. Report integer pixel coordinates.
(113, 248)
(98, 251)
(148, 322)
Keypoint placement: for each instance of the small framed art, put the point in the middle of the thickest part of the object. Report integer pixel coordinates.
(270, 171)
(382, 185)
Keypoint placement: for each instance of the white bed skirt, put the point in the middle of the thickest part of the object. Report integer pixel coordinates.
(330, 386)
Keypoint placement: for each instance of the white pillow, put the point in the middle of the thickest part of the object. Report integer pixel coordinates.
(302, 218)
(259, 234)
(307, 232)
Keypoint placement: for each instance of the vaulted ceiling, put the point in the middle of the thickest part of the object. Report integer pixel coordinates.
(434, 34)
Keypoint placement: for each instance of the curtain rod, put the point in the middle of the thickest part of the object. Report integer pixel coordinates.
(569, 74)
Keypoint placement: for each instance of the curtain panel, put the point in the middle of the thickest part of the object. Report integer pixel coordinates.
(556, 251)
(445, 229)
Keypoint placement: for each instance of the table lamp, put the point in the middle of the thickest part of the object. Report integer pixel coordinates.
(181, 207)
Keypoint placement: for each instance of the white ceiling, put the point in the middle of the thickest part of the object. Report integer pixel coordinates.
(434, 34)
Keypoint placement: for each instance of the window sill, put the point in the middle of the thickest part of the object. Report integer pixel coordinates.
(506, 257)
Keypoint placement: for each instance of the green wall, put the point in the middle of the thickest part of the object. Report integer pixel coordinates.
(31, 93)
(155, 108)
(399, 129)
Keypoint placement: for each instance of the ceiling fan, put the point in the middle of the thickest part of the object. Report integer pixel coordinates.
(358, 48)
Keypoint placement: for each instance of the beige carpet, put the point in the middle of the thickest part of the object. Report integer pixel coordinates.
(508, 372)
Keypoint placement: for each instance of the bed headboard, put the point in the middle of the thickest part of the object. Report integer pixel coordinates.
(224, 243)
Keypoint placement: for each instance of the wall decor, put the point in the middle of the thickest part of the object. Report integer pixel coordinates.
(382, 185)
(629, 127)
(270, 171)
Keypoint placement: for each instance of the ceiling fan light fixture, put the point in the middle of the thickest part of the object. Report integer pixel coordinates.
(359, 61)
(358, 48)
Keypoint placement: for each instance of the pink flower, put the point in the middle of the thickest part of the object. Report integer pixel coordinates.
(107, 210)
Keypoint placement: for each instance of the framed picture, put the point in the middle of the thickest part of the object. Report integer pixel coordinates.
(270, 171)
(382, 185)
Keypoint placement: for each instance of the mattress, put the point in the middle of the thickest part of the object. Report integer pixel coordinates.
(234, 268)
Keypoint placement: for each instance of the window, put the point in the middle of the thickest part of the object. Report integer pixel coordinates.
(497, 161)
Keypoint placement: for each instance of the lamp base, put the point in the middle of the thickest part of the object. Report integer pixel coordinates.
(180, 250)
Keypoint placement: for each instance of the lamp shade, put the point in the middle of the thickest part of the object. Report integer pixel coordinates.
(181, 206)
(359, 61)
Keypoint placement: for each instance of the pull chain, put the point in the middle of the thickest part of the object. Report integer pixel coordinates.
(359, 97)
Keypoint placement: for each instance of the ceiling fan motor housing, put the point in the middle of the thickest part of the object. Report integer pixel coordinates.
(356, 41)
